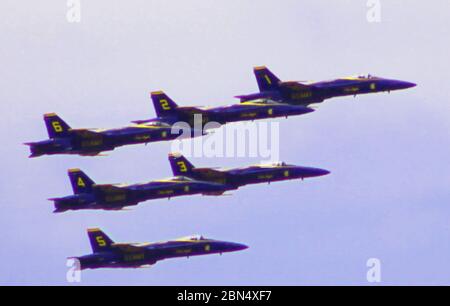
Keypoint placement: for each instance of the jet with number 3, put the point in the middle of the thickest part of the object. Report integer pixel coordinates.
(235, 178)
(306, 93)
(107, 254)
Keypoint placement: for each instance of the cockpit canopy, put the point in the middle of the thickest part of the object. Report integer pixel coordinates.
(193, 238)
(274, 165)
(362, 77)
(197, 238)
(279, 164)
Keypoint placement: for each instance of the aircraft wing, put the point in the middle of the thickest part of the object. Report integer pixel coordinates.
(109, 188)
(191, 109)
(127, 248)
(296, 85)
(85, 133)
(211, 172)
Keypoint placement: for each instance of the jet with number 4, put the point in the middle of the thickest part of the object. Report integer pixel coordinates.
(107, 254)
(306, 93)
(88, 195)
(91, 142)
(170, 113)
(235, 178)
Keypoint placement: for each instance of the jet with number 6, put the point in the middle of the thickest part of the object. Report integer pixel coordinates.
(91, 142)
(306, 93)
(88, 195)
(235, 178)
(107, 254)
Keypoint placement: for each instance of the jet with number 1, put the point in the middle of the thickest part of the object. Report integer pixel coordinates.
(306, 93)
(107, 254)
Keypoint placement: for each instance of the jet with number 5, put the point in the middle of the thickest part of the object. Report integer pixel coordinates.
(235, 178)
(306, 93)
(88, 195)
(91, 142)
(107, 254)
(170, 113)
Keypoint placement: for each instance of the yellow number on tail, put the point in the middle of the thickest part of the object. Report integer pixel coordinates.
(57, 126)
(80, 182)
(101, 242)
(165, 104)
(183, 167)
(268, 79)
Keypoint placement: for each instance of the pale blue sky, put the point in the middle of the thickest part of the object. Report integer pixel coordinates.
(388, 196)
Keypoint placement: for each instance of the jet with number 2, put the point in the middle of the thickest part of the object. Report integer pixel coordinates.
(170, 113)
(305, 93)
(235, 178)
(107, 254)
(88, 195)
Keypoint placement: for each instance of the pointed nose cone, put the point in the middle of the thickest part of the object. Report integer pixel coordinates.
(307, 110)
(316, 172)
(399, 85)
(322, 172)
(235, 247)
(406, 85)
(242, 247)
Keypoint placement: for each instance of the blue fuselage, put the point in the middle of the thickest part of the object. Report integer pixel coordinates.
(235, 178)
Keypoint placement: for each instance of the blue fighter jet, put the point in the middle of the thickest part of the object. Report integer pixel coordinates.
(306, 93)
(170, 113)
(107, 254)
(88, 195)
(235, 178)
(92, 142)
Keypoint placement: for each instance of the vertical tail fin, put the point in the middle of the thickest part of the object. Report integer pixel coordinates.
(56, 127)
(267, 81)
(81, 183)
(180, 165)
(164, 106)
(99, 240)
